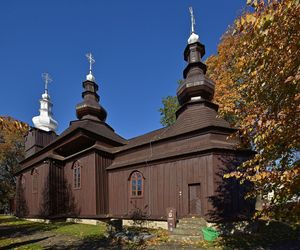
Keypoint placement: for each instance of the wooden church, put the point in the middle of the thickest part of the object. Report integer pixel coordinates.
(89, 171)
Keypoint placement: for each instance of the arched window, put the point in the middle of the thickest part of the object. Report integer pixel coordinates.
(34, 175)
(136, 184)
(77, 175)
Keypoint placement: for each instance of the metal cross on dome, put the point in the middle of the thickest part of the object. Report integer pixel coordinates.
(47, 79)
(91, 60)
(192, 19)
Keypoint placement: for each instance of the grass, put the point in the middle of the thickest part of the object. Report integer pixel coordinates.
(78, 230)
(22, 234)
(16, 243)
(81, 231)
(12, 230)
(11, 220)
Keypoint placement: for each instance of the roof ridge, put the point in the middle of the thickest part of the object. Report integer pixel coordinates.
(156, 130)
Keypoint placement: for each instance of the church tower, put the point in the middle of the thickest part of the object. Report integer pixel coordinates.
(45, 120)
(44, 128)
(195, 86)
(90, 108)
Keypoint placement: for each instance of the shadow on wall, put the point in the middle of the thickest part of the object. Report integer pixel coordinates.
(58, 199)
(21, 204)
(228, 203)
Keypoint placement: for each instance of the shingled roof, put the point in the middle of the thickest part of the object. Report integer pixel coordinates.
(195, 117)
(97, 127)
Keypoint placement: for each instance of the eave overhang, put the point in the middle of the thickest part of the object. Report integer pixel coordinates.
(176, 156)
(49, 156)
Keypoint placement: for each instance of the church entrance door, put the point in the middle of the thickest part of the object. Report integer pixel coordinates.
(195, 199)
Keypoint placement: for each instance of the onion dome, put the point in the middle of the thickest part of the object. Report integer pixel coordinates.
(193, 38)
(90, 108)
(45, 120)
(195, 86)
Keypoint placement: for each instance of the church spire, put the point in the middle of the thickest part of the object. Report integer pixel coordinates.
(45, 121)
(90, 108)
(195, 86)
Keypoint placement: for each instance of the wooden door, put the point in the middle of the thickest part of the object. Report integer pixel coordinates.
(195, 199)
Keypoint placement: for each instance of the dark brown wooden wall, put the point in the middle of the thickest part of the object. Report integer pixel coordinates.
(101, 162)
(83, 199)
(163, 184)
(35, 200)
(36, 140)
(106, 192)
(58, 195)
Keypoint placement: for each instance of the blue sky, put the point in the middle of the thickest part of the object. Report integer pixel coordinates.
(138, 47)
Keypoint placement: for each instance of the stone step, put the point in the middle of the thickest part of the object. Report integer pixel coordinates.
(181, 231)
(191, 220)
(188, 230)
(193, 229)
(185, 238)
(190, 226)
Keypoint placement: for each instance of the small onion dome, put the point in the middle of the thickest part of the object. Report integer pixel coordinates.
(46, 96)
(193, 38)
(90, 77)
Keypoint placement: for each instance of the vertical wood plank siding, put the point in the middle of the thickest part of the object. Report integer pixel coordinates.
(165, 185)
(101, 179)
(83, 199)
(34, 201)
(57, 189)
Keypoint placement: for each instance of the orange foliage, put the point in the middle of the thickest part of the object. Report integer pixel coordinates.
(257, 71)
(12, 134)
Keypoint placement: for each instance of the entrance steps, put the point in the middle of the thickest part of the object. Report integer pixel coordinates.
(188, 230)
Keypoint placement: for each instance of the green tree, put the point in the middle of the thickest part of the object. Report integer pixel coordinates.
(12, 134)
(167, 112)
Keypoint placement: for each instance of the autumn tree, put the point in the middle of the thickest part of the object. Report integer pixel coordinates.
(265, 76)
(257, 73)
(12, 134)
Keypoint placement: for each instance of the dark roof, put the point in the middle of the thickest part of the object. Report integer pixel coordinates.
(197, 116)
(146, 138)
(194, 119)
(96, 127)
(197, 129)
